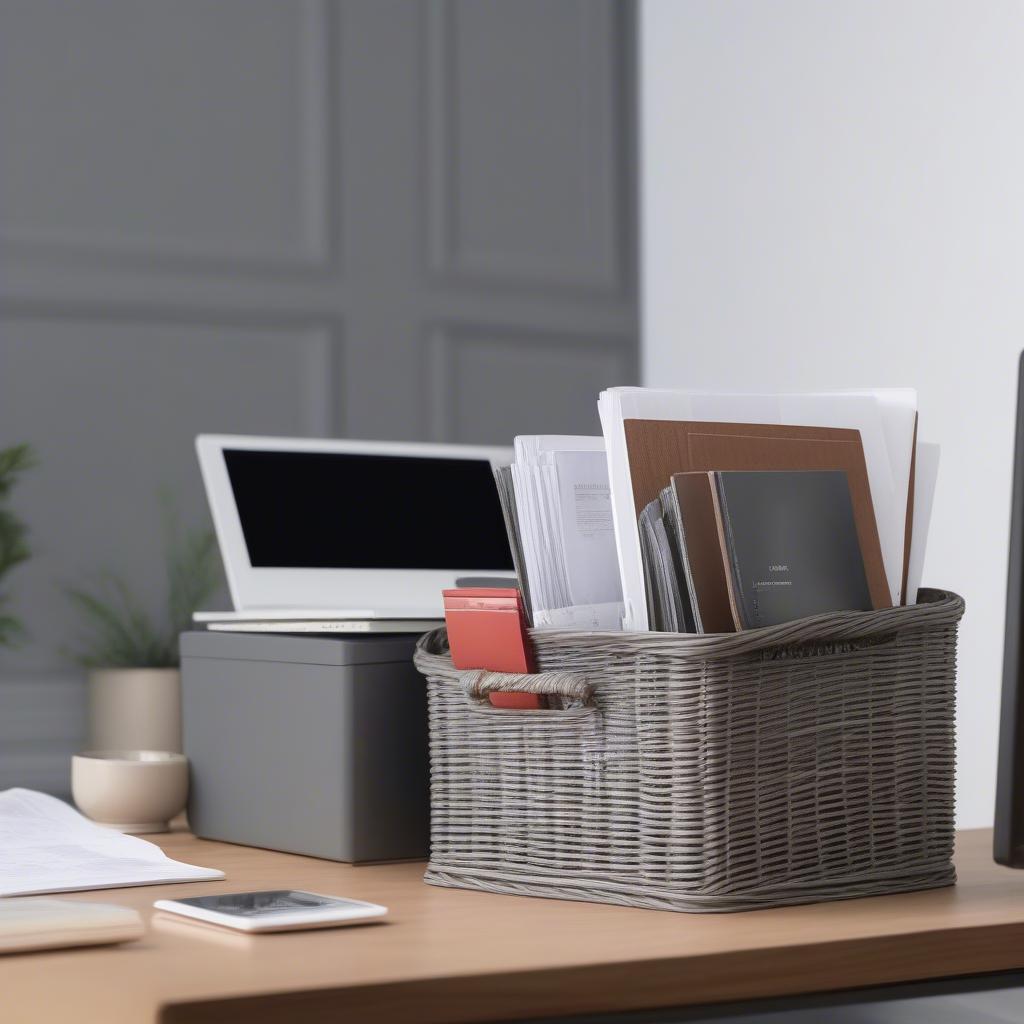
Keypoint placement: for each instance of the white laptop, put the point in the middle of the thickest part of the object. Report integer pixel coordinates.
(349, 536)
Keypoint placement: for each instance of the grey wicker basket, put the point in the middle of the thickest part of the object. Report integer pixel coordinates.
(791, 764)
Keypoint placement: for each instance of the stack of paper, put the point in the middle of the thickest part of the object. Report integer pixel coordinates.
(507, 497)
(47, 846)
(651, 434)
(563, 517)
(669, 607)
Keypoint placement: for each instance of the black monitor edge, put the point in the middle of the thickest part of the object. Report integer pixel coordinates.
(1008, 836)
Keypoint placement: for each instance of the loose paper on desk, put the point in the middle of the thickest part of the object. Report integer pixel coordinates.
(47, 846)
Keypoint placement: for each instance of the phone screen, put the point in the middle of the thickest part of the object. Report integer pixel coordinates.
(267, 902)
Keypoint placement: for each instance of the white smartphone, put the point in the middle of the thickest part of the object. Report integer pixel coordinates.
(274, 910)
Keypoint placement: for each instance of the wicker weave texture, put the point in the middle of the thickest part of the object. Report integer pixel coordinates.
(792, 764)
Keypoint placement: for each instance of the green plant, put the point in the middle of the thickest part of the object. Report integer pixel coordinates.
(14, 547)
(121, 633)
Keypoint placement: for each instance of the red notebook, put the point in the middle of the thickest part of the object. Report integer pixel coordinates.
(487, 629)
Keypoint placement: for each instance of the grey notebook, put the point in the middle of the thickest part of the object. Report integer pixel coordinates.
(668, 607)
(507, 497)
(672, 528)
(790, 543)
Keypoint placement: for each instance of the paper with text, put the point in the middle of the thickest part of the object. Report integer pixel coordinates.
(48, 846)
(563, 502)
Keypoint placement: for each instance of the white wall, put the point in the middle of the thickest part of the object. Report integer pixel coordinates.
(833, 195)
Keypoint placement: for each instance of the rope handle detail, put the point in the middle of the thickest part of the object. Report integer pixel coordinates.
(570, 686)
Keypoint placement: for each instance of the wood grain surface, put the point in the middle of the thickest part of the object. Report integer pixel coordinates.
(453, 956)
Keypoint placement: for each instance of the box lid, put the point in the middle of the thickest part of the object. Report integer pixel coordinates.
(312, 649)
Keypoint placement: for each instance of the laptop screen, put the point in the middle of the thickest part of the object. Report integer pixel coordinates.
(337, 510)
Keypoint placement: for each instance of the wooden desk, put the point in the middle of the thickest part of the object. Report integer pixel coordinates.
(449, 955)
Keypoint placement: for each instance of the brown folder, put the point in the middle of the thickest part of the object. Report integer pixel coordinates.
(702, 550)
(660, 448)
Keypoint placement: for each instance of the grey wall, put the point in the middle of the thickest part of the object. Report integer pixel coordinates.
(363, 218)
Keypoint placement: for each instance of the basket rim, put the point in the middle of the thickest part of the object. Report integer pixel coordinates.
(935, 609)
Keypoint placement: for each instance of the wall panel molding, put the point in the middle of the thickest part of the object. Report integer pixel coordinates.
(112, 412)
(324, 259)
(602, 261)
(469, 369)
(317, 170)
(324, 336)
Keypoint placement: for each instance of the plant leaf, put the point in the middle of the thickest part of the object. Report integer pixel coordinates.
(121, 633)
(14, 548)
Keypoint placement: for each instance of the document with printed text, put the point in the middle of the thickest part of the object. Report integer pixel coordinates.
(49, 847)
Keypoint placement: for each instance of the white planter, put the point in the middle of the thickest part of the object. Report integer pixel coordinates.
(135, 709)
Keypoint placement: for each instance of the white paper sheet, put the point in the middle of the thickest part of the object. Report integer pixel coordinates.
(585, 522)
(47, 846)
(898, 408)
(883, 423)
(566, 531)
(925, 477)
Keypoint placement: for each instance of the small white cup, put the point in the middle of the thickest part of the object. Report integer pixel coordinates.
(130, 790)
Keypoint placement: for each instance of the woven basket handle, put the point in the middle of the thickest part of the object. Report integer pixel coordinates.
(570, 686)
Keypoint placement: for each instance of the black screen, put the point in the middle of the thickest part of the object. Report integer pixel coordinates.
(332, 510)
(1008, 837)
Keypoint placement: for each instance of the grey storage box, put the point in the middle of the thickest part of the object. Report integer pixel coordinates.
(314, 745)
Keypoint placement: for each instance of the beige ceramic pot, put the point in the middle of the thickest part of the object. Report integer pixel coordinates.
(130, 790)
(135, 709)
